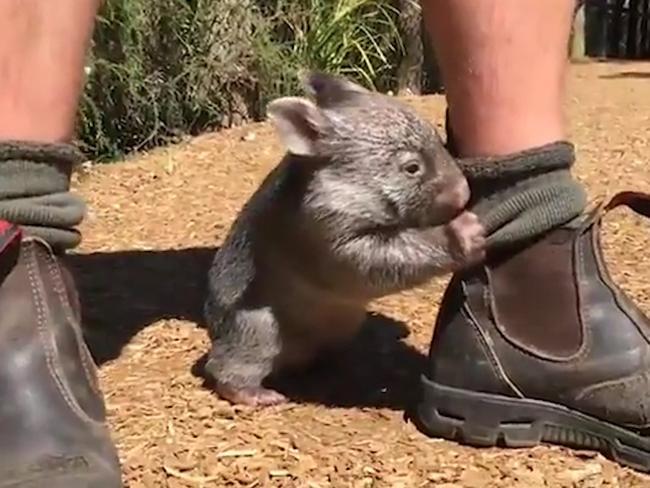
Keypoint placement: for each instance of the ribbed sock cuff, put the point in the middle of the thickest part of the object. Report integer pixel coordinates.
(34, 191)
(523, 195)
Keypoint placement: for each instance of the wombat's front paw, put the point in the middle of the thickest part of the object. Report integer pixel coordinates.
(467, 240)
(255, 396)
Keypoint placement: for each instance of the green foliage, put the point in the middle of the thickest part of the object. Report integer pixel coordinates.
(160, 69)
(355, 38)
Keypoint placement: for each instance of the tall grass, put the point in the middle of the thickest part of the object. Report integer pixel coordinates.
(160, 69)
(359, 39)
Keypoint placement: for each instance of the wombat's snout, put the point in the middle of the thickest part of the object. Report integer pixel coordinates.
(454, 195)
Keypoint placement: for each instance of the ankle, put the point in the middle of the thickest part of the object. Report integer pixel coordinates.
(499, 134)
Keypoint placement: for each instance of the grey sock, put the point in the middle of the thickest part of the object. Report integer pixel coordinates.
(34, 191)
(523, 195)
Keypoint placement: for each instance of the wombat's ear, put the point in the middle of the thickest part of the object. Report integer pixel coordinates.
(329, 90)
(299, 123)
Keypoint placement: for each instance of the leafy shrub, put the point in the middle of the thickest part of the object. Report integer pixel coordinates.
(161, 69)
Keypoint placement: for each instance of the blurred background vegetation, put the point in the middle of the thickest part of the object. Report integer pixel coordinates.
(159, 70)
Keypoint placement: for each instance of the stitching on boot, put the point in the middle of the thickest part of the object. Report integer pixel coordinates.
(59, 287)
(39, 303)
(495, 364)
(583, 313)
(593, 230)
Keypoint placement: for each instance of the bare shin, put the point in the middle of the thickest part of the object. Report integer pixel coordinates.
(503, 63)
(42, 49)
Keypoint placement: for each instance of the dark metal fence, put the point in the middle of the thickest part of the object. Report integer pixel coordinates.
(617, 29)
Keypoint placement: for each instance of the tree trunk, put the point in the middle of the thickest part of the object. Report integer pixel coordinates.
(409, 76)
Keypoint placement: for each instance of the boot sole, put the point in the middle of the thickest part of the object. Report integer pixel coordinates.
(486, 420)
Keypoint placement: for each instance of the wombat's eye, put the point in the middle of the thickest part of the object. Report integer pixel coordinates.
(412, 168)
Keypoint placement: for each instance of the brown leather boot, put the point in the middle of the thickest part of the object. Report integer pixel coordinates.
(539, 345)
(52, 418)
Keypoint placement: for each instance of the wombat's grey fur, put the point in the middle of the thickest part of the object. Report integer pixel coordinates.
(358, 208)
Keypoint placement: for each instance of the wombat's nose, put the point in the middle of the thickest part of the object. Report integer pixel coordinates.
(455, 195)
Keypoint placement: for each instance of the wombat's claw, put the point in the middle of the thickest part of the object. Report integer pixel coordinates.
(251, 396)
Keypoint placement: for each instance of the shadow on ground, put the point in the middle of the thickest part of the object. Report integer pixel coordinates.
(377, 370)
(124, 292)
(627, 74)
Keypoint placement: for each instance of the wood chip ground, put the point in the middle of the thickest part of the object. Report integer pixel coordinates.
(152, 225)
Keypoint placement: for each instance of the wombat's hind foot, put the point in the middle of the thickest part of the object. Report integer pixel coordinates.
(256, 396)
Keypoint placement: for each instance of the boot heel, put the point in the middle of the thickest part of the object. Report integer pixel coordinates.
(479, 419)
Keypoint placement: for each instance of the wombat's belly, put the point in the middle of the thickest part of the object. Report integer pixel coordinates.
(312, 319)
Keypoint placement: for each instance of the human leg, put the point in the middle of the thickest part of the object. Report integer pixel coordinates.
(537, 344)
(503, 65)
(52, 418)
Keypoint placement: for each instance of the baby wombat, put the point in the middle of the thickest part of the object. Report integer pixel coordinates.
(367, 202)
